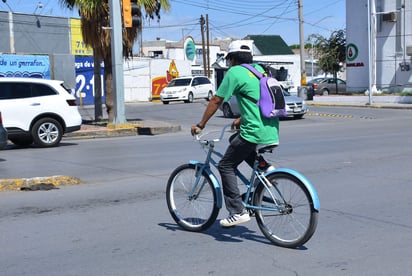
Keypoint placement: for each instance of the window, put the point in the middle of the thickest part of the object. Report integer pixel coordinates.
(203, 80)
(179, 82)
(21, 90)
(39, 90)
(5, 91)
(195, 82)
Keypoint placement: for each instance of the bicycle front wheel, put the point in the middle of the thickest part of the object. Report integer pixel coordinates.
(191, 198)
(285, 212)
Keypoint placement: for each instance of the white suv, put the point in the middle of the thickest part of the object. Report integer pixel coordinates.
(186, 89)
(37, 110)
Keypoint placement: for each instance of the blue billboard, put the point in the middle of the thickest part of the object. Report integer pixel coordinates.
(85, 80)
(24, 66)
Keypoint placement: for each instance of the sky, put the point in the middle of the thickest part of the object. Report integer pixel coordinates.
(227, 18)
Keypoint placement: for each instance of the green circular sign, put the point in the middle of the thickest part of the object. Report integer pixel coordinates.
(190, 49)
(351, 52)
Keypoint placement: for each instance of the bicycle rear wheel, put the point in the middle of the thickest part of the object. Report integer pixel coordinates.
(285, 215)
(191, 199)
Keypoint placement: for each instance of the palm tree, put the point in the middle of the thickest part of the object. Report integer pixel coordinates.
(94, 17)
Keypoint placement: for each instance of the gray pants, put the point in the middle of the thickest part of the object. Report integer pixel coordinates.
(238, 151)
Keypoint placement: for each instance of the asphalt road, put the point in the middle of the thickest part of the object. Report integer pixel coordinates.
(117, 223)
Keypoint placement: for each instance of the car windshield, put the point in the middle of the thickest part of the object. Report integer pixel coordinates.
(179, 82)
(285, 93)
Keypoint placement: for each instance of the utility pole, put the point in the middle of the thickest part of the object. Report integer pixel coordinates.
(208, 45)
(202, 30)
(11, 28)
(302, 46)
(117, 62)
(372, 48)
(98, 111)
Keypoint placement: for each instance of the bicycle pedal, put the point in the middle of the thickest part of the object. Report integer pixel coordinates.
(251, 212)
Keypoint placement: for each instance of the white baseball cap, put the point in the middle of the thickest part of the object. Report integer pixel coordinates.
(238, 46)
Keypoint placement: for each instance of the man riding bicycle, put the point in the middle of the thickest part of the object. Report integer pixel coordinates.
(254, 128)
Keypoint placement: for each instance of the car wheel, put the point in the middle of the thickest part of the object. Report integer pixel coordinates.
(165, 102)
(227, 112)
(189, 98)
(325, 92)
(23, 141)
(209, 96)
(47, 132)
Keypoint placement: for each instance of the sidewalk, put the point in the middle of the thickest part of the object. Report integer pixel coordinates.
(354, 104)
(90, 129)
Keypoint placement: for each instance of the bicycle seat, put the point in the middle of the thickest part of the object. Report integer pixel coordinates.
(266, 148)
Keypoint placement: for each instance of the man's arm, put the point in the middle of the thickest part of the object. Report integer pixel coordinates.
(211, 108)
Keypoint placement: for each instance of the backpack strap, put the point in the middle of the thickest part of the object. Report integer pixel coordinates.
(253, 70)
(257, 74)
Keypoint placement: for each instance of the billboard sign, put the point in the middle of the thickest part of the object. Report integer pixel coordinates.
(25, 66)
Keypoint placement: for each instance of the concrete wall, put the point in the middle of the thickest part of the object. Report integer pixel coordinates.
(139, 74)
(35, 34)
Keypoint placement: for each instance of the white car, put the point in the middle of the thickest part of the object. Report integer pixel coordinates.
(37, 110)
(296, 107)
(3, 134)
(186, 89)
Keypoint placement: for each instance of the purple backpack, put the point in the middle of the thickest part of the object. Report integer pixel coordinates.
(272, 101)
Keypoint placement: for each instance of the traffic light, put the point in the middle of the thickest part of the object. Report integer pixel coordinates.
(136, 14)
(127, 13)
(131, 13)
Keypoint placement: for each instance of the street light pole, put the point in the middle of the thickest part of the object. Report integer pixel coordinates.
(302, 45)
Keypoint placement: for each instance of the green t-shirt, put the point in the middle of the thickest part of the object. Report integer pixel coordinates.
(254, 127)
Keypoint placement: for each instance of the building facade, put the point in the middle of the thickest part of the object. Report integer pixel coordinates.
(379, 45)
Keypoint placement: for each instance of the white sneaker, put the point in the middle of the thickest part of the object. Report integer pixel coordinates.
(270, 168)
(232, 220)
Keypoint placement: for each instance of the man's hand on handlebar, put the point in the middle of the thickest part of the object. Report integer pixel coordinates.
(196, 129)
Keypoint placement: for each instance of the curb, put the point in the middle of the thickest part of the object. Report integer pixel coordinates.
(37, 183)
(102, 132)
(157, 130)
(151, 128)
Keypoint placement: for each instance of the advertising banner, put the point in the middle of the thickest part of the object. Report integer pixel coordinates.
(85, 90)
(79, 48)
(27, 66)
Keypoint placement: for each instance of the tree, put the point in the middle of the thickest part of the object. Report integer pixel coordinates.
(330, 52)
(94, 16)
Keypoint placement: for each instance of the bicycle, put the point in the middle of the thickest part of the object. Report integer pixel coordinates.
(283, 201)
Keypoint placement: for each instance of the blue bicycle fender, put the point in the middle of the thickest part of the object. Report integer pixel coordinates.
(305, 181)
(215, 182)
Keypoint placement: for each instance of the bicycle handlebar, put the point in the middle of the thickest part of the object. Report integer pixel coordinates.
(206, 142)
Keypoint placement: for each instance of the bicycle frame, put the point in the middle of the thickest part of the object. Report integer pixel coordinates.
(206, 166)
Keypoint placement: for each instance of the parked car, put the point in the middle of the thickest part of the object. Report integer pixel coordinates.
(3, 134)
(315, 82)
(295, 106)
(186, 89)
(37, 110)
(328, 86)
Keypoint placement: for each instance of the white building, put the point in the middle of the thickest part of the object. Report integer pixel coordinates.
(385, 59)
